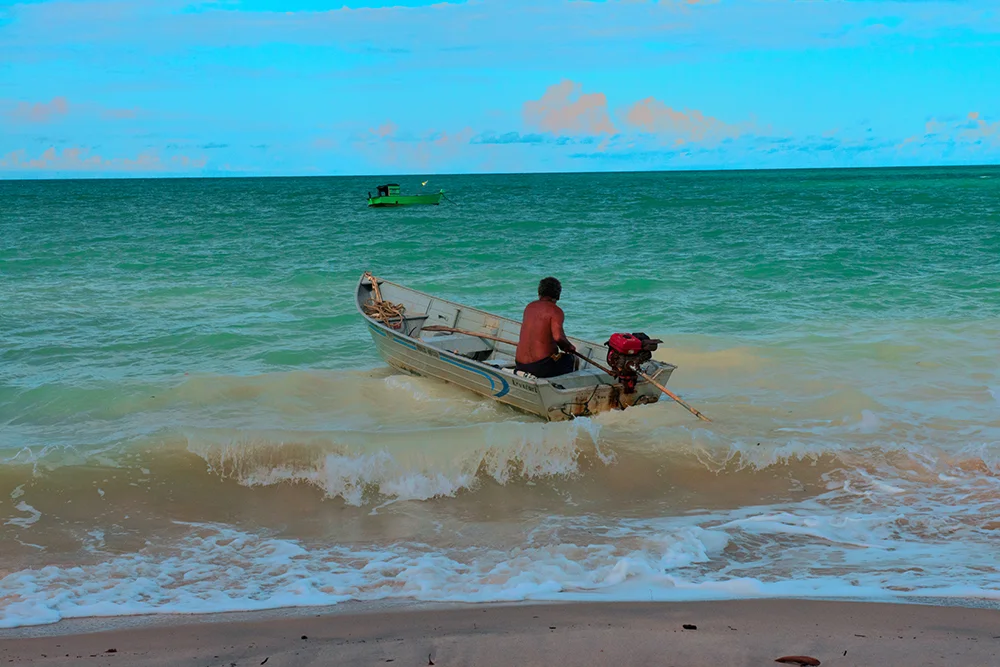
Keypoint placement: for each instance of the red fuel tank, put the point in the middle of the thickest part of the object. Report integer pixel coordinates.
(625, 343)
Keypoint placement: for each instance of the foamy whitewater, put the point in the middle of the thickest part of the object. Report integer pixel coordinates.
(193, 419)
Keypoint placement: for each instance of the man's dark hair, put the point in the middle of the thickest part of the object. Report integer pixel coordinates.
(549, 287)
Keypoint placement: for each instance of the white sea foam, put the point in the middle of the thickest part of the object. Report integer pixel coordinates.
(216, 568)
(409, 465)
(24, 522)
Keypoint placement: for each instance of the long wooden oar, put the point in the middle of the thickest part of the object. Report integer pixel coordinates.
(590, 361)
(652, 382)
(675, 397)
(439, 327)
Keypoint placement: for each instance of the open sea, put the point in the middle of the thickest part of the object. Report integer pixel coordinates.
(193, 418)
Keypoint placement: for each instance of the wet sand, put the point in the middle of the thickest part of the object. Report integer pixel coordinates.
(749, 632)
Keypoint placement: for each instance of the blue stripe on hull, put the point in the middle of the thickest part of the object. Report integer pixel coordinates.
(504, 387)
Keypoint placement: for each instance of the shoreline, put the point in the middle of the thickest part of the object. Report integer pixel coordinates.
(95, 624)
(738, 632)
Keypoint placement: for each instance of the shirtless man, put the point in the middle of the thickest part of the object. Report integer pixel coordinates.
(542, 335)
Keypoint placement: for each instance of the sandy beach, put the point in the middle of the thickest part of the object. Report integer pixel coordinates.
(727, 633)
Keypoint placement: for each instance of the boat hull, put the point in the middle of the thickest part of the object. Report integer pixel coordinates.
(392, 201)
(402, 345)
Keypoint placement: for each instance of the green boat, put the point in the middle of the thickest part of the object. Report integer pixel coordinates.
(388, 195)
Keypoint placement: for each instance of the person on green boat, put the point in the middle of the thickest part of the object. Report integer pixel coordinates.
(542, 336)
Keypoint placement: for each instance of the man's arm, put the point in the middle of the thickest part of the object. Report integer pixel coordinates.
(558, 335)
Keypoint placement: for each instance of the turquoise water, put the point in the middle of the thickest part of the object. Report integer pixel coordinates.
(198, 338)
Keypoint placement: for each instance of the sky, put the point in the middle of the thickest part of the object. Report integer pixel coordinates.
(310, 87)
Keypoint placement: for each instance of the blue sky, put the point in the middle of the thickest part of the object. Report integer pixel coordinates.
(299, 87)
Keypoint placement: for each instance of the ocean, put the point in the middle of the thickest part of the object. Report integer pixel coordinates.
(193, 418)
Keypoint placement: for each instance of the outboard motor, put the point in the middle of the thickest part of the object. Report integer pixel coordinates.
(626, 355)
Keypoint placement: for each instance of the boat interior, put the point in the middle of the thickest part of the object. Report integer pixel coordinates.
(501, 356)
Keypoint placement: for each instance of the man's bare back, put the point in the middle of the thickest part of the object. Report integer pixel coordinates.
(542, 333)
(541, 327)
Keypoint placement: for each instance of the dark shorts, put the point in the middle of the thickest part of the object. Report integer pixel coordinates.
(548, 367)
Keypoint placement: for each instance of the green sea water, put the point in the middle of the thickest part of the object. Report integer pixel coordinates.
(182, 361)
(143, 278)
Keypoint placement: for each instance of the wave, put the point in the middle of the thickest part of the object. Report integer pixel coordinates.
(226, 493)
(408, 465)
(752, 552)
(618, 457)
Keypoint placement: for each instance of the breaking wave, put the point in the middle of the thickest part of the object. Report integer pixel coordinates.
(310, 488)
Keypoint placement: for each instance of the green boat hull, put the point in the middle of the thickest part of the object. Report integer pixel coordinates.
(405, 200)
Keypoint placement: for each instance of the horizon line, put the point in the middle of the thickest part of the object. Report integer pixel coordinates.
(153, 177)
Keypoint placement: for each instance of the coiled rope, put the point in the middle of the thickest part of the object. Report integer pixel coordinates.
(391, 314)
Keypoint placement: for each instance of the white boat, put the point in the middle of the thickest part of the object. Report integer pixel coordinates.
(475, 350)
